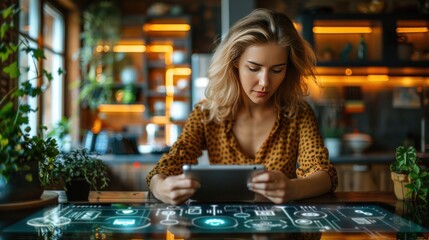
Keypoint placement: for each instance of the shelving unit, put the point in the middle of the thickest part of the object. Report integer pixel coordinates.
(157, 53)
(168, 73)
(384, 34)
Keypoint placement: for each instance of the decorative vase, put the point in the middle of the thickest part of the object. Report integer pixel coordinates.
(334, 146)
(399, 182)
(18, 189)
(77, 190)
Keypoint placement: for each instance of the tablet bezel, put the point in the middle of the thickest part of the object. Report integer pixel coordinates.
(223, 183)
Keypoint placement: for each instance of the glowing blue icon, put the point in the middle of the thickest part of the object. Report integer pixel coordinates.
(215, 222)
(124, 222)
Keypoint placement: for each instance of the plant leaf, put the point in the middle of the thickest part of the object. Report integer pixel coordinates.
(38, 53)
(12, 69)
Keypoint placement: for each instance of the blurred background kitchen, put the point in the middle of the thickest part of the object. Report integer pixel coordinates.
(134, 69)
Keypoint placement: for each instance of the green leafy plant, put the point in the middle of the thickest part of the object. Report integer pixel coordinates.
(79, 163)
(101, 23)
(61, 133)
(19, 150)
(407, 162)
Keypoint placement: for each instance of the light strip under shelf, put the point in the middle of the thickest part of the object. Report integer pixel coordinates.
(338, 30)
(412, 29)
(129, 48)
(123, 108)
(179, 27)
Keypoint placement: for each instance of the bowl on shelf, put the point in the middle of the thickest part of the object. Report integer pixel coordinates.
(357, 142)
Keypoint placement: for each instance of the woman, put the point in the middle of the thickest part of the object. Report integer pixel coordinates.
(254, 114)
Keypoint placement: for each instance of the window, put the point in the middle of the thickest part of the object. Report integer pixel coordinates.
(53, 99)
(51, 109)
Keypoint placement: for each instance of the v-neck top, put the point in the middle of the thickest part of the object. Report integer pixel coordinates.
(294, 146)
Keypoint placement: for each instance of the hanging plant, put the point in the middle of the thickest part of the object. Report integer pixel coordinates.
(101, 31)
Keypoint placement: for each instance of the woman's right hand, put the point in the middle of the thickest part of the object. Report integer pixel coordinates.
(173, 189)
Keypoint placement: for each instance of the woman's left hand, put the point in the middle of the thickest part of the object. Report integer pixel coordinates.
(273, 185)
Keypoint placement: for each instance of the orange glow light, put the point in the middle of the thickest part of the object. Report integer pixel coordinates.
(412, 30)
(167, 27)
(161, 48)
(115, 108)
(160, 120)
(129, 48)
(333, 30)
(378, 78)
(182, 71)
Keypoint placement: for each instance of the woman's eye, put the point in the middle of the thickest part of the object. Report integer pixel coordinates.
(253, 69)
(277, 70)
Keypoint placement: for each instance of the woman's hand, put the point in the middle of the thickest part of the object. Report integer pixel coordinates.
(173, 189)
(273, 185)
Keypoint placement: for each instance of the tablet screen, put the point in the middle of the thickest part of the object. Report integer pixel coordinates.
(222, 182)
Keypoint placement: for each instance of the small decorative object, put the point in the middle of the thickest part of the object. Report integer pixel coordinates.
(334, 146)
(129, 75)
(357, 142)
(405, 49)
(362, 49)
(157, 9)
(410, 181)
(77, 168)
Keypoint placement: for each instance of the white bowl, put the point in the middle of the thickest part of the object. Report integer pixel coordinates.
(357, 142)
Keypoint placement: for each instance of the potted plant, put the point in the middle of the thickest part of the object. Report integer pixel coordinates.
(410, 181)
(20, 151)
(79, 171)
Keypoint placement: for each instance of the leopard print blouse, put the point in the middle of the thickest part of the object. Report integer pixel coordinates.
(294, 146)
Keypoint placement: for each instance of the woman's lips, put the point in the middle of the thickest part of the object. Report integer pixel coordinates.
(260, 94)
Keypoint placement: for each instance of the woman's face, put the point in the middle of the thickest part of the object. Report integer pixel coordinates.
(261, 70)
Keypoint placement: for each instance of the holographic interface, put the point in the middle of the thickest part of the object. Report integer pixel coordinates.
(214, 218)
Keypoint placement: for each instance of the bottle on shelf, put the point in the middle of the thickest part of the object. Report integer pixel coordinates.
(361, 49)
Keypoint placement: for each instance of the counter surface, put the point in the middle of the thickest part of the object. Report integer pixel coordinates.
(126, 215)
(372, 157)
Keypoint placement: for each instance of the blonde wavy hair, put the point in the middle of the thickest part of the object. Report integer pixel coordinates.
(223, 92)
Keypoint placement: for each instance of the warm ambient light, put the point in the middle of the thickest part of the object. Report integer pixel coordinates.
(378, 78)
(355, 79)
(136, 48)
(160, 48)
(160, 120)
(412, 30)
(342, 30)
(115, 108)
(169, 75)
(129, 48)
(167, 27)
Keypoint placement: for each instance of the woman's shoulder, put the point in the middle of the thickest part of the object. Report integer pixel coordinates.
(303, 107)
(200, 110)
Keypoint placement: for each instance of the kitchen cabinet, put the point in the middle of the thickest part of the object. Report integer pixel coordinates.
(394, 44)
(364, 177)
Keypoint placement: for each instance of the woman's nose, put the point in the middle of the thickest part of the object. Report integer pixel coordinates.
(263, 78)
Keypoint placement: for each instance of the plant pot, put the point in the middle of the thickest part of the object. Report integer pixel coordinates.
(18, 189)
(399, 182)
(77, 190)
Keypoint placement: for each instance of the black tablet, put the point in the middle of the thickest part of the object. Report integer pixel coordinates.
(222, 183)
